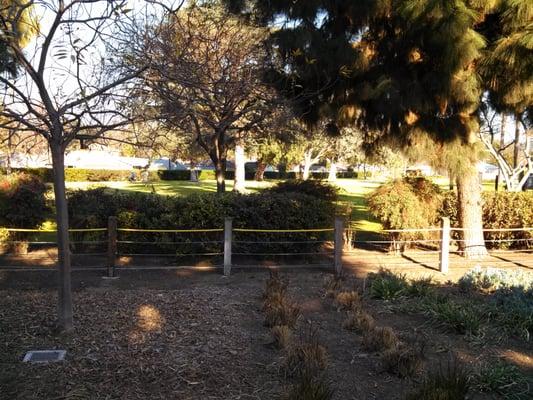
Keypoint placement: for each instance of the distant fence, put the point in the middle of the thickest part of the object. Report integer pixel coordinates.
(230, 244)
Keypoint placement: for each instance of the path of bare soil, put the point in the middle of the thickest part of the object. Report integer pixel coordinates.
(183, 335)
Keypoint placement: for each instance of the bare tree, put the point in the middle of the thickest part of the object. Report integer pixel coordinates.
(206, 72)
(66, 89)
(515, 174)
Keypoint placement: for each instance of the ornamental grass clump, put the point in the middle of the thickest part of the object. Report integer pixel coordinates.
(306, 357)
(359, 321)
(380, 338)
(450, 383)
(348, 300)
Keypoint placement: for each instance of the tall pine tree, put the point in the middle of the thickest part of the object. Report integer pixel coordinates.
(398, 68)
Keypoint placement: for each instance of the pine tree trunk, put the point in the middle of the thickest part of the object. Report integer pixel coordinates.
(332, 176)
(239, 181)
(65, 320)
(260, 171)
(470, 214)
(220, 172)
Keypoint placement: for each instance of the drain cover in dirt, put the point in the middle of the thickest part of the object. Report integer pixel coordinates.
(44, 356)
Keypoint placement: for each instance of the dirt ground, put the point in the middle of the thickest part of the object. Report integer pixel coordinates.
(191, 335)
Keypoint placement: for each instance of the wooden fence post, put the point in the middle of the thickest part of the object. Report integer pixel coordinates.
(228, 233)
(111, 246)
(338, 244)
(444, 255)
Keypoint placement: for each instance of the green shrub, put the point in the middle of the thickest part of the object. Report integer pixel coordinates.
(462, 318)
(22, 201)
(512, 309)
(420, 287)
(313, 188)
(406, 203)
(450, 383)
(503, 379)
(386, 285)
(500, 210)
(91, 208)
(491, 279)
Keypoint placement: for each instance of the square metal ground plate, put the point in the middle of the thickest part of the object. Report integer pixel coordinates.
(44, 356)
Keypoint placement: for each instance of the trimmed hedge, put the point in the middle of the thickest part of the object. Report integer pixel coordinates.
(313, 188)
(100, 175)
(266, 210)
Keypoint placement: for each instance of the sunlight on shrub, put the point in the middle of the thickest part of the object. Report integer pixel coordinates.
(491, 279)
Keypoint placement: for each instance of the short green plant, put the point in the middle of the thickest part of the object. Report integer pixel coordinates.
(445, 383)
(420, 287)
(462, 318)
(502, 378)
(387, 286)
(513, 310)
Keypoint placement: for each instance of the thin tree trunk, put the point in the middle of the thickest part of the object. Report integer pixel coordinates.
(260, 171)
(332, 176)
(193, 175)
(8, 166)
(220, 172)
(307, 166)
(516, 149)
(502, 143)
(239, 181)
(470, 214)
(65, 320)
